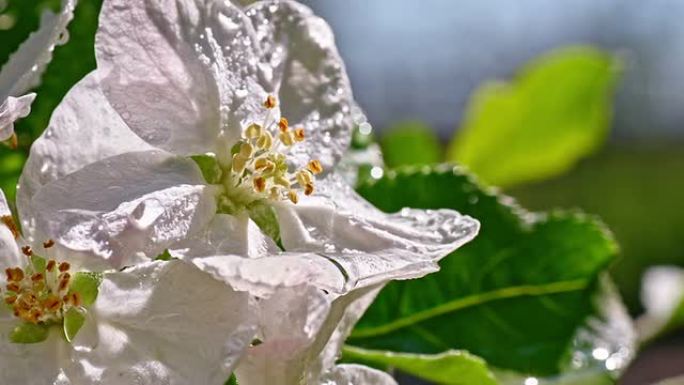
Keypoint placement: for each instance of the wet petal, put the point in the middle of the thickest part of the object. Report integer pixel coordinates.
(227, 234)
(83, 129)
(31, 364)
(371, 246)
(179, 71)
(162, 322)
(357, 374)
(9, 250)
(12, 110)
(24, 68)
(301, 65)
(124, 209)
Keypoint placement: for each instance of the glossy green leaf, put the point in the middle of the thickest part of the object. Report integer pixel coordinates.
(87, 285)
(73, 322)
(452, 367)
(210, 168)
(514, 296)
(28, 333)
(264, 215)
(556, 111)
(410, 143)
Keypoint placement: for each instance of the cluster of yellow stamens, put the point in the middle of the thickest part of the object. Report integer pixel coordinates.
(40, 296)
(260, 163)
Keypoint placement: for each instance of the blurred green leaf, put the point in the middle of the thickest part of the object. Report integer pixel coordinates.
(556, 111)
(515, 296)
(452, 367)
(410, 143)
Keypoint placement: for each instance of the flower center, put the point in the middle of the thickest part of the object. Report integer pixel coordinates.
(40, 292)
(259, 167)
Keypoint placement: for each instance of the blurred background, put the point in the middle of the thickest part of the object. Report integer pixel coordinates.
(422, 62)
(423, 72)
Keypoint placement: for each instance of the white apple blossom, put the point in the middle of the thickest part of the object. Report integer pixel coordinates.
(112, 182)
(154, 323)
(22, 72)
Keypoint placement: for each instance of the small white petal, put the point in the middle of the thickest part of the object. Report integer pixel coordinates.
(24, 68)
(357, 374)
(163, 323)
(301, 64)
(227, 234)
(124, 209)
(83, 129)
(371, 246)
(9, 250)
(11, 110)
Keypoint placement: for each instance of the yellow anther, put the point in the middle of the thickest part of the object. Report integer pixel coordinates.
(10, 300)
(309, 189)
(304, 177)
(13, 286)
(292, 195)
(275, 193)
(253, 131)
(265, 141)
(270, 102)
(14, 274)
(239, 163)
(283, 125)
(52, 303)
(299, 135)
(259, 184)
(246, 150)
(315, 167)
(286, 138)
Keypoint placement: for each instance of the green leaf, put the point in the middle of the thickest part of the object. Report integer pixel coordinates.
(39, 263)
(452, 367)
(556, 111)
(232, 380)
(165, 256)
(87, 285)
(410, 143)
(210, 168)
(266, 218)
(28, 333)
(514, 296)
(73, 321)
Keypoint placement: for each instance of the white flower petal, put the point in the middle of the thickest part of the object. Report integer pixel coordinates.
(24, 68)
(9, 250)
(371, 246)
(179, 71)
(290, 322)
(357, 374)
(83, 129)
(264, 276)
(301, 65)
(227, 234)
(125, 208)
(31, 364)
(163, 323)
(11, 110)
